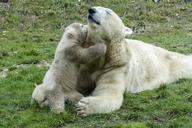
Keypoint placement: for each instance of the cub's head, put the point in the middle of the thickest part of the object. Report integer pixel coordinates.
(106, 23)
(76, 32)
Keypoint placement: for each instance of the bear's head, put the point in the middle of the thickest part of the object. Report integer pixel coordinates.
(105, 23)
(76, 32)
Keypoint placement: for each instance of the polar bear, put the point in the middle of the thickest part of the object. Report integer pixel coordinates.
(61, 78)
(130, 66)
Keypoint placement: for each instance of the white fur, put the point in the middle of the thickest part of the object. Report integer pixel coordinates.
(147, 66)
(150, 66)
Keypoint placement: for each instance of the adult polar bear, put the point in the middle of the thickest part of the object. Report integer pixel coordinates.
(147, 66)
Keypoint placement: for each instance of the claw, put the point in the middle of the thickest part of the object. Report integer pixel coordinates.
(83, 102)
(80, 108)
(83, 107)
(81, 114)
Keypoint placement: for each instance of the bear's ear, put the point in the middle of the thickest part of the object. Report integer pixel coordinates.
(127, 31)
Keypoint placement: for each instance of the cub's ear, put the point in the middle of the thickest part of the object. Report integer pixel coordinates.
(65, 29)
(127, 31)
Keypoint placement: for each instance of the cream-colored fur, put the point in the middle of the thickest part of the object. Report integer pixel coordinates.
(146, 67)
(60, 81)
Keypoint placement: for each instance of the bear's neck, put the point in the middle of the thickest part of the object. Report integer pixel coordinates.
(116, 55)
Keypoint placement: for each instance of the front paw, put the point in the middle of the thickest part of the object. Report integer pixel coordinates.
(85, 106)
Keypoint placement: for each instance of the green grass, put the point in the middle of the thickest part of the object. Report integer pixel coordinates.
(29, 32)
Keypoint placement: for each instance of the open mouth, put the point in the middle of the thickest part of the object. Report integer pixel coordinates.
(93, 20)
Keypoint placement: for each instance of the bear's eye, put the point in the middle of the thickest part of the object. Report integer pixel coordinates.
(82, 25)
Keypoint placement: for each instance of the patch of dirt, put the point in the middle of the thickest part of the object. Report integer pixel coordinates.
(4, 72)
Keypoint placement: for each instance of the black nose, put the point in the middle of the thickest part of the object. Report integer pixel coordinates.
(91, 10)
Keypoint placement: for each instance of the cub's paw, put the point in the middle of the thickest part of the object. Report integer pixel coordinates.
(57, 110)
(43, 103)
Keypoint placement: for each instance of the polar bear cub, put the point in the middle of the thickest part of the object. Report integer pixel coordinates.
(60, 80)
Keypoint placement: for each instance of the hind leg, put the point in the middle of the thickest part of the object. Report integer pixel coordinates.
(56, 100)
(180, 67)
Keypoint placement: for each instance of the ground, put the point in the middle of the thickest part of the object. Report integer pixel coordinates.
(29, 33)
